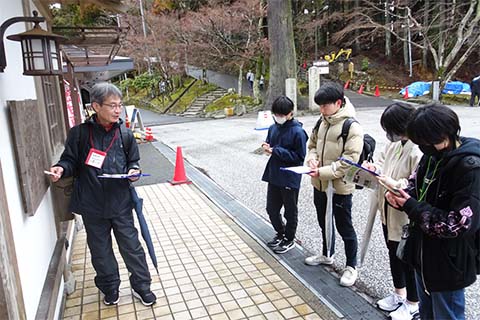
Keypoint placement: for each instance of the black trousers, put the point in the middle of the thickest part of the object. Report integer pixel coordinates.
(278, 197)
(402, 274)
(342, 217)
(99, 239)
(472, 98)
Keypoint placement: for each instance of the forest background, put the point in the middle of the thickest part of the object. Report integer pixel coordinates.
(392, 43)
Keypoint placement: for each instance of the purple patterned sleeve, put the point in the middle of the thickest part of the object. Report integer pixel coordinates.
(449, 226)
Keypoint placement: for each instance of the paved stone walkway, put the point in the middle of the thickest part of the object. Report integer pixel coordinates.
(208, 269)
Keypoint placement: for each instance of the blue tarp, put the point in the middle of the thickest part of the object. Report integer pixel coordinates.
(421, 88)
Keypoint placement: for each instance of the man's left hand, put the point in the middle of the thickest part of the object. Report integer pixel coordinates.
(134, 172)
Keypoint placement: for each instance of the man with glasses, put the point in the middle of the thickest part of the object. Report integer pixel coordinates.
(94, 148)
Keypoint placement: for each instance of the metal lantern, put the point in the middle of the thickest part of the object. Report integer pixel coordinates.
(40, 51)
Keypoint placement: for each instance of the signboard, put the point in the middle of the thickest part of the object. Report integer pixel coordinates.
(322, 66)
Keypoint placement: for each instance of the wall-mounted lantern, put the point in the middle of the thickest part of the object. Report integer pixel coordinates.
(40, 49)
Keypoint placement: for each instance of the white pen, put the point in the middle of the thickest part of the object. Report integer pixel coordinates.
(51, 173)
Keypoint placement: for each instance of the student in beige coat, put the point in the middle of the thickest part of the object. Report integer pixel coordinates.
(325, 146)
(396, 164)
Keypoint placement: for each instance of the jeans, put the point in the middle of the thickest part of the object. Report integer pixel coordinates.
(472, 98)
(402, 274)
(278, 197)
(444, 305)
(99, 239)
(342, 215)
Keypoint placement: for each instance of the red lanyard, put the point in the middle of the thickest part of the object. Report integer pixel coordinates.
(115, 136)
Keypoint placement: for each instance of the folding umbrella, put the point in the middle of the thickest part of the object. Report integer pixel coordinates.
(369, 226)
(138, 206)
(329, 218)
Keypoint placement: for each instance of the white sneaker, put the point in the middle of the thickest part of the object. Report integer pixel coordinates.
(349, 276)
(406, 311)
(390, 303)
(318, 259)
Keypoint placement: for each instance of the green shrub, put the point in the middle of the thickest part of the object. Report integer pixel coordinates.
(365, 64)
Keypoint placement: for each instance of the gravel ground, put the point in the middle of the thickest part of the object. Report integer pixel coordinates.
(226, 150)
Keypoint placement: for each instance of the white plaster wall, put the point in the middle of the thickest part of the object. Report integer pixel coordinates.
(35, 236)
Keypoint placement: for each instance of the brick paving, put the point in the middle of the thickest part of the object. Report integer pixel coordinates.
(208, 269)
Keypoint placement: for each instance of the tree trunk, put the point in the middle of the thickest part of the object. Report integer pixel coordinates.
(282, 48)
(356, 6)
(405, 47)
(240, 79)
(425, 23)
(388, 34)
(256, 84)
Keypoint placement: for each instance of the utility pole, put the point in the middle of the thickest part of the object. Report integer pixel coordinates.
(409, 42)
(144, 26)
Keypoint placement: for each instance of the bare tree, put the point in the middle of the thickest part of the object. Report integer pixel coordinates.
(461, 18)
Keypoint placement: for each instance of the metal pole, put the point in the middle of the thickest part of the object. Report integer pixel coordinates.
(144, 26)
(409, 42)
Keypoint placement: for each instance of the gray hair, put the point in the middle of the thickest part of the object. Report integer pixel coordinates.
(102, 91)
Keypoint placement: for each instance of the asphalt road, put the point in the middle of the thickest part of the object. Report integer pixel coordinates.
(225, 150)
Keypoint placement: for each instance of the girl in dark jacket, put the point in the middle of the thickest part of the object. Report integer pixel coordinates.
(286, 144)
(443, 205)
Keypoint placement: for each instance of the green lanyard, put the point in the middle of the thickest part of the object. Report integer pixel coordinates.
(426, 185)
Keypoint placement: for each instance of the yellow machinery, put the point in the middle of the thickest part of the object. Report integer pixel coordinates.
(341, 55)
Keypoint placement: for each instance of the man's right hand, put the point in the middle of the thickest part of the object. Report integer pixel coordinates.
(58, 171)
(313, 164)
(370, 166)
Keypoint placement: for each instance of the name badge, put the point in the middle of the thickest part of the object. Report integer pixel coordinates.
(95, 158)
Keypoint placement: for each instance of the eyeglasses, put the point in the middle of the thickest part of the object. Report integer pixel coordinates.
(113, 105)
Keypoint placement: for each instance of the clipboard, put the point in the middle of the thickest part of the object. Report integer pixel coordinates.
(392, 190)
(350, 162)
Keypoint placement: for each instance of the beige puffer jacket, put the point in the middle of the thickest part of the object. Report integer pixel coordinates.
(398, 162)
(327, 145)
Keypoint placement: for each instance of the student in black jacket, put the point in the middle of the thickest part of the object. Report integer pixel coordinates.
(443, 205)
(286, 144)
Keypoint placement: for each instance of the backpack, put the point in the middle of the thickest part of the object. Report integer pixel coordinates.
(368, 141)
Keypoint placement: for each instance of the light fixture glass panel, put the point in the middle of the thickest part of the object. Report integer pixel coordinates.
(37, 54)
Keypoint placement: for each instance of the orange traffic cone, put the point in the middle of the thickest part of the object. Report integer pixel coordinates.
(179, 176)
(148, 134)
(377, 91)
(405, 96)
(127, 122)
(347, 84)
(360, 91)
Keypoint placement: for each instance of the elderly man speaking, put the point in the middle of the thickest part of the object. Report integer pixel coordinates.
(102, 145)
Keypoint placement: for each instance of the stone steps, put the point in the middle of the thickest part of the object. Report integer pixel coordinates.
(197, 106)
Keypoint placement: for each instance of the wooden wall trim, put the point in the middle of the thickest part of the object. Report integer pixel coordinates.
(10, 284)
(51, 287)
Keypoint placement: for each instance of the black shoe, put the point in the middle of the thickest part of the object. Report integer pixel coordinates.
(284, 246)
(111, 298)
(146, 297)
(275, 241)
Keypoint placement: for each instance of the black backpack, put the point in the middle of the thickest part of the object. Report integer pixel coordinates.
(368, 141)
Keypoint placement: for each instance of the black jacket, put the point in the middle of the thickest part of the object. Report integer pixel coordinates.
(91, 195)
(446, 221)
(289, 143)
(475, 85)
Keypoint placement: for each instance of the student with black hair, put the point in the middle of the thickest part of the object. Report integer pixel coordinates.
(443, 205)
(286, 144)
(399, 159)
(324, 148)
